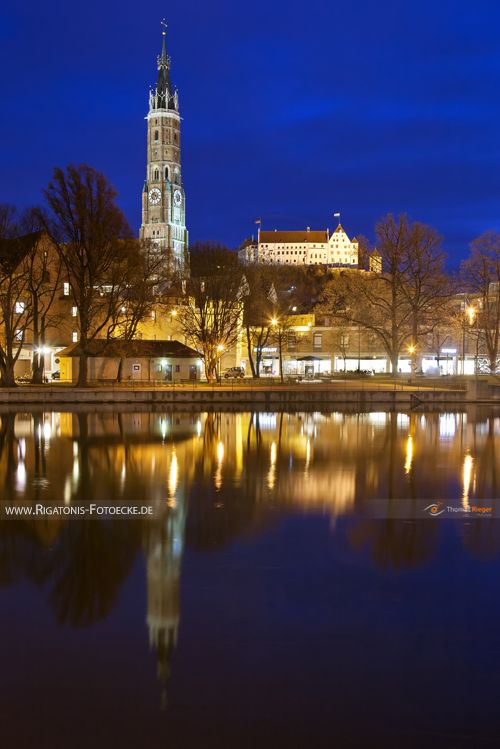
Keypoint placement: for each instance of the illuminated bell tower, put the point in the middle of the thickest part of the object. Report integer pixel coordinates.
(163, 199)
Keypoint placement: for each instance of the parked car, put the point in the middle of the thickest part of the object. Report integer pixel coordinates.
(234, 372)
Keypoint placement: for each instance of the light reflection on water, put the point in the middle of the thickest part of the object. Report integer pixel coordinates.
(219, 478)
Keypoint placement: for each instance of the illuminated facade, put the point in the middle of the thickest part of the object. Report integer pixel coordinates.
(163, 197)
(301, 248)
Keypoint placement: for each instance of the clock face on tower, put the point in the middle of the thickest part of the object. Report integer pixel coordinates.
(154, 196)
(177, 197)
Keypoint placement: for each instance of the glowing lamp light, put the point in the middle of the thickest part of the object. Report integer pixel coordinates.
(471, 314)
(274, 321)
(412, 349)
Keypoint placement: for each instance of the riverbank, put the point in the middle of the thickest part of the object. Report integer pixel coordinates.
(356, 393)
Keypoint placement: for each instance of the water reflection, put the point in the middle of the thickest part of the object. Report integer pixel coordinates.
(220, 476)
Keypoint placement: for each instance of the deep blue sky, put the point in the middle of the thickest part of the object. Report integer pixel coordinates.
(292, 110)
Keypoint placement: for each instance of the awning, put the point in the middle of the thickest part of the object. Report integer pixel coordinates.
(309, 358)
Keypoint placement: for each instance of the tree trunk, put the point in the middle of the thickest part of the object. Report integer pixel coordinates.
(394, 362)
(280, 349)
(8, 378)
(119, 374)
(82, 371)
(250, 354)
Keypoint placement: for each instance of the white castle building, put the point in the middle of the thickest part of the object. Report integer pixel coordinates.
(301, 248)
(163, 198)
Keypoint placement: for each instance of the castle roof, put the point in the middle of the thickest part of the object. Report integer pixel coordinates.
(293, 237)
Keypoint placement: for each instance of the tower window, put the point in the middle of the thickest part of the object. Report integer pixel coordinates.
(156, 134)
(166, 173)
(156, 174)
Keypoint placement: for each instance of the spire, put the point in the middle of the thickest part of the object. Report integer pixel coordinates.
(164, 97)
(163, 56)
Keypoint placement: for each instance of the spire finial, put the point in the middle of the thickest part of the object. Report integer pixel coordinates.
(163, 24)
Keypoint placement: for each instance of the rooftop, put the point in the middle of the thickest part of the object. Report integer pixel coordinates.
(137, 348)
(293, 237)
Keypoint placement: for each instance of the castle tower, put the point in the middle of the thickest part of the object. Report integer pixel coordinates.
(163, 199)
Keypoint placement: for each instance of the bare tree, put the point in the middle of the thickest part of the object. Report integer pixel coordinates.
(211, 317)
(145, 271)
(16, 312)
(425, 285)
(44, 274)
(258, 312)
(402, 300)
(481, 277)
(89, 230)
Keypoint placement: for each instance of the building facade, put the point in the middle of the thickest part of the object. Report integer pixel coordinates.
(163, 197)
(301, 248)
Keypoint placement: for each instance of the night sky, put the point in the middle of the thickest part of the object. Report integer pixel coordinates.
(291, 110)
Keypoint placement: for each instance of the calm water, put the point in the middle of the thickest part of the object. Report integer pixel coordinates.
(290, 588)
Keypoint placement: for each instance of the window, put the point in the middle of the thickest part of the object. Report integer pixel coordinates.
(156, 174)
(74, 336)
(344, 339)
(317, 341)
(156, 134)
(19, 335)
(20, 307)
(292, 340)
(177, 367)
(66, 288)
(74, 311)
(166, 173)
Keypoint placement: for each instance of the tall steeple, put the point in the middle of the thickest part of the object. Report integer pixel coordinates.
(165, 97)
(163, 198)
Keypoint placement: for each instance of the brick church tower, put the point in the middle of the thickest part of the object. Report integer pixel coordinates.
(163, 198)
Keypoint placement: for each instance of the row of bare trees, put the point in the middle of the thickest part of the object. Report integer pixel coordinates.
(414, 296)
(227, 306)
(80, 237)
(115, 282)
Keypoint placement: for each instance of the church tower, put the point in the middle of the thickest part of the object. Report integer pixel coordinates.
(163, 199)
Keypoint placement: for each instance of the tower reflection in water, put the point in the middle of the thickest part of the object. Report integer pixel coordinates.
(213, 477)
